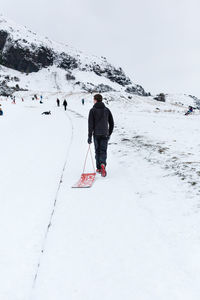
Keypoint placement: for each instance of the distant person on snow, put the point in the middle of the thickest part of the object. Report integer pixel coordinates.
(1, 112)
(46, 113)
(65, 104)
(83, 101)
(58, 102)
(190, 110)
(100, 125)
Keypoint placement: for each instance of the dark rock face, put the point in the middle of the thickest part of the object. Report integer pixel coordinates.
(131, 90)
(5, 90)
(160, 97)
(117, 75)
(91, 88)
(30, 59)
(69, 76)
(102, 88)
(196, 100)
(136, 90)
(43, 57)
(67, 62)
(97, 69)
(24, 60)
(3, 37)
(19, 59)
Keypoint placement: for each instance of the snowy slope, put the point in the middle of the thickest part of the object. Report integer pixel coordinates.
(135, 234)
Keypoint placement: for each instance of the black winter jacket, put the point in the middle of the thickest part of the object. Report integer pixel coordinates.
(100, 121)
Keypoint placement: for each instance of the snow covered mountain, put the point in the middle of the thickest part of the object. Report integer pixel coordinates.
(27, 53)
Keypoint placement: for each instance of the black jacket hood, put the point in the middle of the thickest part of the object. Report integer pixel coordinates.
(99, 105)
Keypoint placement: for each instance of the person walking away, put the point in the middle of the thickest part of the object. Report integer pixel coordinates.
(58, 102)
(65, 104)
(83, 101)
(100, 126)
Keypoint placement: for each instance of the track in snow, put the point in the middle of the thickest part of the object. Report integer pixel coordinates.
(53, 209)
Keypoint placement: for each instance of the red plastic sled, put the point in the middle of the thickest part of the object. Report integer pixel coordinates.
(85, 181)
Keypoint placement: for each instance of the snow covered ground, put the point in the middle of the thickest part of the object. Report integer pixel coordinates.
(133, 235)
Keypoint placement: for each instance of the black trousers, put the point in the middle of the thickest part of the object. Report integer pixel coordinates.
(100, 144)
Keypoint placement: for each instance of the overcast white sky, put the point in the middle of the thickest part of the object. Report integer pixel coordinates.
(157, 42)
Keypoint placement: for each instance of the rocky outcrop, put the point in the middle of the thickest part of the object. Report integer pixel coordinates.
(67, 62)
(9, 85)
(3, 38)
(91, 88)
(6, 90)
(196, 101)
(161, 97)
(137, 89)
(70, 77)
(110, 72)
(23, 59)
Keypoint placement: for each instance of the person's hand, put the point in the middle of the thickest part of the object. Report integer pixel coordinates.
(89, 140)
